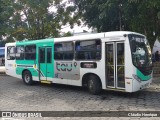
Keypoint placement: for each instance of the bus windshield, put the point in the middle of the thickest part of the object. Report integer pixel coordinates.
(141, 53)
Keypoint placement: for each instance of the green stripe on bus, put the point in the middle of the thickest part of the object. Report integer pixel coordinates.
(142, 76)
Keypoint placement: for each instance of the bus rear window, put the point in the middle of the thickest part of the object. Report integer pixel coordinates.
(10, 53)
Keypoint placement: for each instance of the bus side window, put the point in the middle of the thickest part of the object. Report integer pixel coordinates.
(49, 55)
(42, 55)
(30, 52)
(20, 52)
(11, 53)
(63, 51)
(88, 50)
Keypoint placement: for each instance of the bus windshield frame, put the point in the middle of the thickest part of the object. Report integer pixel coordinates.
(141, 53)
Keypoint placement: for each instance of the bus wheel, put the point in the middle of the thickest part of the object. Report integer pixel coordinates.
(27, 78)
(94, 85)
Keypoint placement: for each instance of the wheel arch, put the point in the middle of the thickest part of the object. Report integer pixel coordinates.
(85, 80)
(24, 71)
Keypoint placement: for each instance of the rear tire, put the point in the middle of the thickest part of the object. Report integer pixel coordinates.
(94, 85)
(27, 78)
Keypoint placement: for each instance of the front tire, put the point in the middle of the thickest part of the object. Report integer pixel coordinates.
(94, 85)
(27, 78)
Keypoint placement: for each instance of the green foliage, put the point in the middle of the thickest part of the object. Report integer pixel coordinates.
(141, 16)
(105, 15)
(144, 18)
(6, 10)
(38, 19)
(33, 19)
(66, 34)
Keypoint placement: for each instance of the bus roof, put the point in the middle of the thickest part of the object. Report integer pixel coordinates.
(96, 36)
(79, 37)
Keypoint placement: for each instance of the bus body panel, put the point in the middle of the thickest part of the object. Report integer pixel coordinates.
(10, 64)
(33, 65)
(46, 68)
(128, 70)
(139, 80)
(70, 72)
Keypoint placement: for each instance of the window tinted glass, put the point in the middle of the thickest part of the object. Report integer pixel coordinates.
(141, 53)
(59, 47)
(11, 53)
(42, 55)
(120, 53)
(109, 54)
(20, 52)
(88, 50)
(30, 52)
(49, 55)
(63, 51)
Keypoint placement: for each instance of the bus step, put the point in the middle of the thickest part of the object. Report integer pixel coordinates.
(45, 81)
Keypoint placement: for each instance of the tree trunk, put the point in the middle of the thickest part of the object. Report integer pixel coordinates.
(151, 40)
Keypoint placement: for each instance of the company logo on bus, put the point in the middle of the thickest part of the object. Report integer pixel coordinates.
(66, 66)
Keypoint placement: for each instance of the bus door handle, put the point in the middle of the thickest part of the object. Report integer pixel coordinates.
(48, 72)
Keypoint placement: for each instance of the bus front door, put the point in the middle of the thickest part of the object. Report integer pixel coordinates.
(115, 69)
(45, 63)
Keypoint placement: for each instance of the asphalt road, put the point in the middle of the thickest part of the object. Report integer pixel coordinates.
(16, 96)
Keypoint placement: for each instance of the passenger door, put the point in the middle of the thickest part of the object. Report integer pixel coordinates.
(115, 69)
(45, 63)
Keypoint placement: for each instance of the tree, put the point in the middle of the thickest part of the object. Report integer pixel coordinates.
(144, 17)
(66, 34)
(141, 16)
(105, 15)
(6, 10)
(34, 19)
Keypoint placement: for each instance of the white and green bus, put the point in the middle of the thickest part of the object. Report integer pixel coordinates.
(119, 61)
